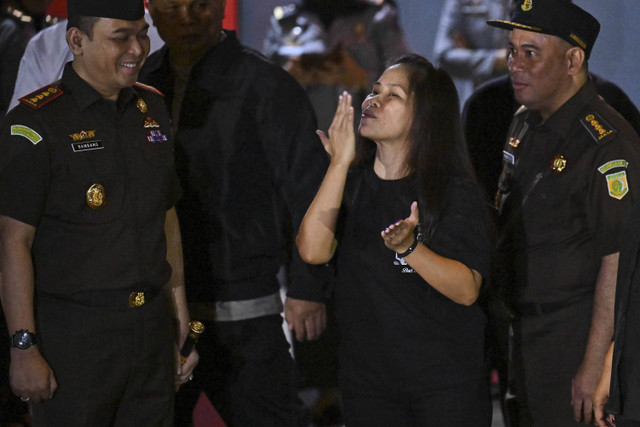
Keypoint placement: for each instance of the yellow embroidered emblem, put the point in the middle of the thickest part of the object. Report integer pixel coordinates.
(597, 127)
(41, 96)
(527, 5)
(620, 163)
(617, 184)
(83, 135)
(26, 132)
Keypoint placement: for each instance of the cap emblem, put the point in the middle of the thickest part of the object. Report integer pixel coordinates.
(527, 5)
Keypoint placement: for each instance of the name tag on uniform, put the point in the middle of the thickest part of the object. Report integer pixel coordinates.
(508, 157)
(86, 146)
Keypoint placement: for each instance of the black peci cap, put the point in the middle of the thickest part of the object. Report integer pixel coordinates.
(127, 10)
(559, 18)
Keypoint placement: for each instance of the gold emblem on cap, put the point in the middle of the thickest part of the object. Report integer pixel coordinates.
(142, 106)
(559, 163)
(96, 196)
(527, 5)
(150, 123)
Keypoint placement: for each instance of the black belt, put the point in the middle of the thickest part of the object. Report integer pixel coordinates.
(534, 308)
(117, 299)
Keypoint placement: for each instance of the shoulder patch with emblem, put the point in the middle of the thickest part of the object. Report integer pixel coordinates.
(149, 88)
(597, 127)
(42, 96)
(617, 184)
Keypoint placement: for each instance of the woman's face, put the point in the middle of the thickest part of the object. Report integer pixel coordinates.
(387, 112)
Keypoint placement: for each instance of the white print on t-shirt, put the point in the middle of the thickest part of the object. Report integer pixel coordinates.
(405, 269)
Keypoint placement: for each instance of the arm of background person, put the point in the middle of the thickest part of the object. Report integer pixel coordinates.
(457, 55)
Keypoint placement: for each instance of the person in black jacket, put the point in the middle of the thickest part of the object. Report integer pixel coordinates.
(249, 163)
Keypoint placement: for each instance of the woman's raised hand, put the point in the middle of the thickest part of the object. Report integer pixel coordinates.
(341, 142)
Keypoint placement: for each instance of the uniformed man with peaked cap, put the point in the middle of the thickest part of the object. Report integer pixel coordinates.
(569, 180)
(88, 229)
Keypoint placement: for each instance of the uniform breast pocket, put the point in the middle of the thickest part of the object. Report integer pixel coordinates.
(88, 187)
(557, 207)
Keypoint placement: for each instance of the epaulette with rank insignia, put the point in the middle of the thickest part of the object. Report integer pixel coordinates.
(42, 96)
(597, 127)
(149, 88)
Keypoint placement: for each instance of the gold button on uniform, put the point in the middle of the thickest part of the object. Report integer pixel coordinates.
(96, 196)
(136, 299)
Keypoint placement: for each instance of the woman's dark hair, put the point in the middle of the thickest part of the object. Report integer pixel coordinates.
(437, 150)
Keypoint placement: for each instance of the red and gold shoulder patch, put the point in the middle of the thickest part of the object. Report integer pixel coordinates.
(149, 88)
(42, 96)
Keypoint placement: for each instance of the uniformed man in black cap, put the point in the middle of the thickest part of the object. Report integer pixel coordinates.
(568, 182)
(87, 226)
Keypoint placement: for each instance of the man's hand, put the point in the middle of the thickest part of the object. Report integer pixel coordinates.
(306, 318)
(601, 395)
(583, 386)
(30, 375)
(185, 367)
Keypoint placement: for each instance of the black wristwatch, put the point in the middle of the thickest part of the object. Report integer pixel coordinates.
(23, 339)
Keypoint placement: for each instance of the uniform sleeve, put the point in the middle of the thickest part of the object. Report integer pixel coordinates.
(613, 189)
(24, 168)
(464, 231)
(299, 163)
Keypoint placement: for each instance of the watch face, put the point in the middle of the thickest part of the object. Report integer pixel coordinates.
(22, 340)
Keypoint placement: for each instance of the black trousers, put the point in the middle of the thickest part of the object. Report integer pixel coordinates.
(114, 367)
(247, 372)
(547, 351)
(468, 404)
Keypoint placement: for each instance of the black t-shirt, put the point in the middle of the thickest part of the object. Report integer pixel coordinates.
(397, 332)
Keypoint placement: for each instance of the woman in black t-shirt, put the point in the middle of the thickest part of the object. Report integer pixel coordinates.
(411, 350)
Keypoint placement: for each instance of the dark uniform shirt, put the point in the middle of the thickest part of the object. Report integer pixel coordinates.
(567, 190)
(624, 397)
(55, 150)
(250, 164)
(489, 111)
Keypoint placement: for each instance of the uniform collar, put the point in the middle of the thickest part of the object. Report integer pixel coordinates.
(563, 119)
(85, 95)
